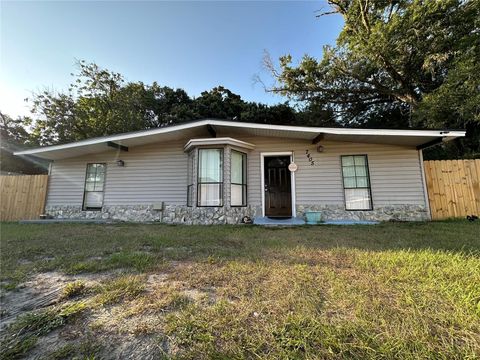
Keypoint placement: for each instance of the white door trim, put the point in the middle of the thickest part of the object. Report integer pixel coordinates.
(292, 178)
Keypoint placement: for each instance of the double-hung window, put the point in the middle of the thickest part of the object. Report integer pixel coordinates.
(356, 182)
(210, 177)
(238, 187)
(94, 187)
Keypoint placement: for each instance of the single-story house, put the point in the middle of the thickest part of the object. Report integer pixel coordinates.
(214, 171)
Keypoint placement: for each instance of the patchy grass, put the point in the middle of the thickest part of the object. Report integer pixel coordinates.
(73, 289)
(408, 290)
(24, 332)
(122, 288)
(84, 350)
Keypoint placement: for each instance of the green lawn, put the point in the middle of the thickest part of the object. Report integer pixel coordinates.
(395, 290)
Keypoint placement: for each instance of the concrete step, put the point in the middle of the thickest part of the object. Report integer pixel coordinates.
(265, 220)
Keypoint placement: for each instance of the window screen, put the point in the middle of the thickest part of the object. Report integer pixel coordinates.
(210, 177)
(356, 182)
(238, 187)
(94, 187)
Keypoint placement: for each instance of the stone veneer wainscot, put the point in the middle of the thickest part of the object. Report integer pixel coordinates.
(180, 214)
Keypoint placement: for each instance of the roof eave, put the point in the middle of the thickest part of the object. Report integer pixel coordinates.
(446, 135)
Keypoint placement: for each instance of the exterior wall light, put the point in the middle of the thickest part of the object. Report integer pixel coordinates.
(120, 163)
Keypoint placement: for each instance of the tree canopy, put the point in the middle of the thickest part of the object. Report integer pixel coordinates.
(396, 63)
(100, 102)
(13, 137)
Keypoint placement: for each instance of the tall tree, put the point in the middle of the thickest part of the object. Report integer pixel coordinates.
(219, 103)
(100, 102)
(397, 59)
(14, 137)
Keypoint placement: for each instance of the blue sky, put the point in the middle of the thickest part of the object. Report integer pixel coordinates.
(189, 45)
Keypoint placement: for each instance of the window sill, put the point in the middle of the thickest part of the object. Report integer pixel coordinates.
(358, 209)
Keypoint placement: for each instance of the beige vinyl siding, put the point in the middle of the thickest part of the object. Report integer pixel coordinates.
(66, 183)
(395, 171)
(156, 173)
(151, 174)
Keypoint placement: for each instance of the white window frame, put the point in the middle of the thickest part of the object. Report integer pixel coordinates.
(244, 186)
(222, 183)
(369, 188)
(190, 182)
(84, 208)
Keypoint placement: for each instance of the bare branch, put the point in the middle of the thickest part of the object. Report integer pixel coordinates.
(327, 13)
(256, 79)
(269, 65)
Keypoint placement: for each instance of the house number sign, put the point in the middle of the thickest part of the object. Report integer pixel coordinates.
(292, 167)
(310, 158)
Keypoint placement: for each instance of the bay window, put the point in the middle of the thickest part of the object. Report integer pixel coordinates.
(356, 182)
(238, 186)
(94, 187)
(210, 177)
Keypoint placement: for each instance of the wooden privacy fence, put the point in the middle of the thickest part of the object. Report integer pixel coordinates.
(453, 191)
(453, 187)
(22, 197)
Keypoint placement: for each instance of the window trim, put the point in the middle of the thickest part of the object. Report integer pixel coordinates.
(222, 187)
(189, 197)
(368, 178)
(246, 178)
(84, 208)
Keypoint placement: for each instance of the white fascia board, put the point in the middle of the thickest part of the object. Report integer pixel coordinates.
(314, 130)
(218, 141)
(343, 131)
(119, 137)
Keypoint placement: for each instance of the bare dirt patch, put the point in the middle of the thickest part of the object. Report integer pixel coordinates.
(130, 329)
(41, 291)
(134, 347)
